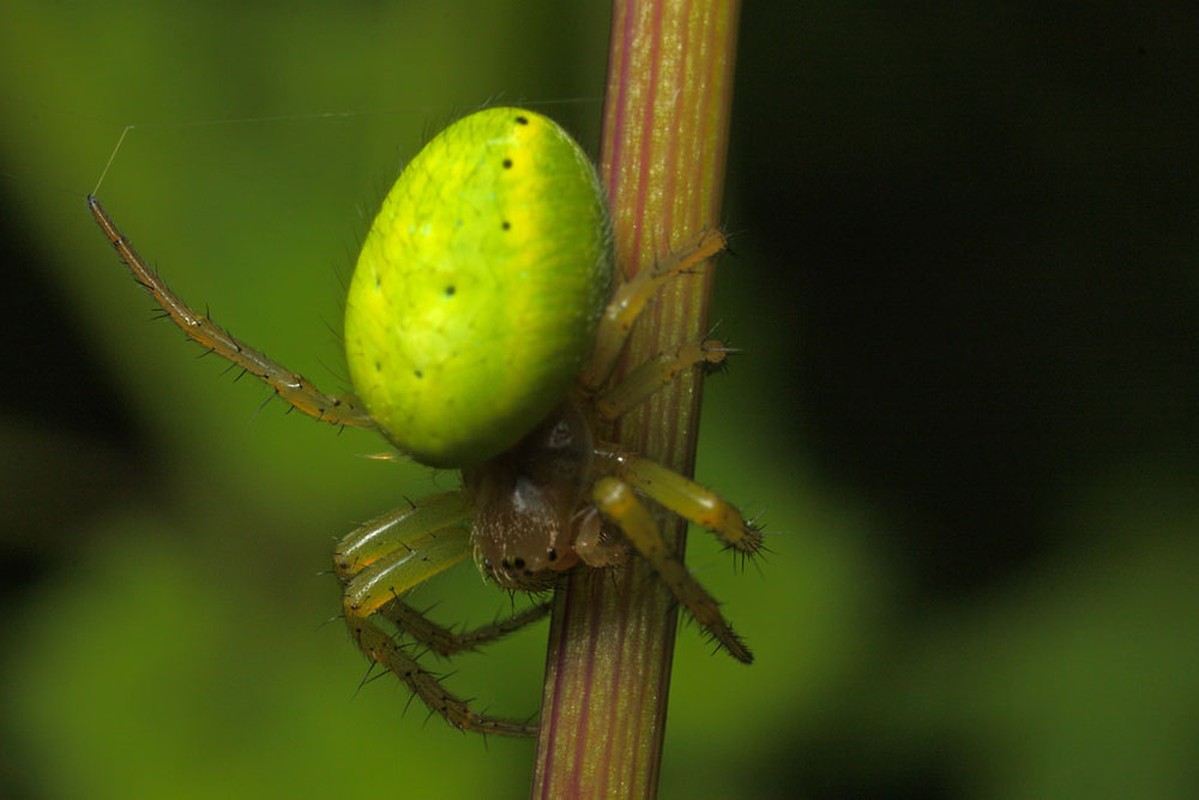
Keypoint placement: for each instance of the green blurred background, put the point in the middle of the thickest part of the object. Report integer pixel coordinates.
(967, 290)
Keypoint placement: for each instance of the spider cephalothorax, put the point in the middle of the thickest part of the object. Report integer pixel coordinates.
(481, 334)
(527, 502)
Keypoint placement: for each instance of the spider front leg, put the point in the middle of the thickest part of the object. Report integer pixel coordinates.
(293, 388)
(616, 501)
(386, 557)
(690, 500)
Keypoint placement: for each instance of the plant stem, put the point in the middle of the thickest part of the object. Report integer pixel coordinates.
(666, 119)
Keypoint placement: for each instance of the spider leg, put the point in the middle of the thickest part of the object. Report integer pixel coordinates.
(598, 546)
(631, 298)
(293, 388)
(386, 557)
(393, 533)
(395, 530)
(660, 371)
(382, 649)
(686, 498)
(616, 500)
(446, 642)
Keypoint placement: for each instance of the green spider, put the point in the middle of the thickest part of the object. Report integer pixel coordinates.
(501, 204)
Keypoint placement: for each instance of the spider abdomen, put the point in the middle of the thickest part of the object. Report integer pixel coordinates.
(476, 296)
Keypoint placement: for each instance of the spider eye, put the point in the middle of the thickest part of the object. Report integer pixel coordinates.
(476, 296)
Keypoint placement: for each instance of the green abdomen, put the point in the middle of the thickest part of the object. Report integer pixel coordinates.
(474, 303)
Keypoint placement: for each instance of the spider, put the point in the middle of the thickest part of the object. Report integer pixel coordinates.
(514, 394)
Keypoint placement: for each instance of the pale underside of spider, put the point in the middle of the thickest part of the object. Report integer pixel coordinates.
(560, 499)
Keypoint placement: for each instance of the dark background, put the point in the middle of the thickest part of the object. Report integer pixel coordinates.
(966, 287)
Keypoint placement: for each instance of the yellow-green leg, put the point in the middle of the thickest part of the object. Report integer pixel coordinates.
(293, 388)
(386, 557)
(631, 298)
(654, 374)
(617, 502)
(623, 472)
(690, 500)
